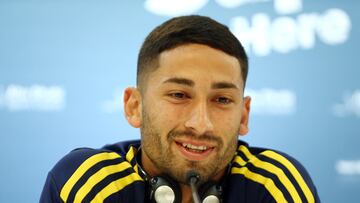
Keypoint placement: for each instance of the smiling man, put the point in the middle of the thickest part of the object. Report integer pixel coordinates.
(190, 107)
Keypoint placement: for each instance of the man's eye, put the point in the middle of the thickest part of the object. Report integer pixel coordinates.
(178, 95)
(223, 100)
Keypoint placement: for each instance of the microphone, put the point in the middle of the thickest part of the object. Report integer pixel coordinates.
(192, 178)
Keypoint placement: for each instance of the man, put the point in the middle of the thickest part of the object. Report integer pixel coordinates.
(190, 108)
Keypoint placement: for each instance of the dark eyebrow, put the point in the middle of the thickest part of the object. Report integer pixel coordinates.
(180, 81)
(223, 85)
(190, 83)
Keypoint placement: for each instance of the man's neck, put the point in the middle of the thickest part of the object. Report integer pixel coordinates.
(186, 194)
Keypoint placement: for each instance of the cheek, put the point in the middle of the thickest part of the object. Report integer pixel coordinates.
(171, 113)
(226, 120)
(164, 117)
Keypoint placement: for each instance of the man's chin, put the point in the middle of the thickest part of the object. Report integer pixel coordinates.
(183, 175)
(181, 167)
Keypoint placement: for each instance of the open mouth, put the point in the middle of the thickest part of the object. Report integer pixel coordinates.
(194, 152)
(194, 148)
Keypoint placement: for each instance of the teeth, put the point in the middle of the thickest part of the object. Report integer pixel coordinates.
(190, 146)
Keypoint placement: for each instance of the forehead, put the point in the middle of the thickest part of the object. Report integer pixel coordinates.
(199, 63)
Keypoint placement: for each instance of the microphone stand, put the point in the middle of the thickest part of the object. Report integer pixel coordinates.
(193, 178)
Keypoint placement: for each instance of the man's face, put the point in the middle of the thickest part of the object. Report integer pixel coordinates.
(192, 112)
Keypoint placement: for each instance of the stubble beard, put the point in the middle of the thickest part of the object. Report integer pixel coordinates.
(161, 155)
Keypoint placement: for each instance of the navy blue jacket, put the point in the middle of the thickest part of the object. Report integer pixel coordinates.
(110, 174)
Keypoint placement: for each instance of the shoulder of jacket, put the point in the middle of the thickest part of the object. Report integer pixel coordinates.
(284, 178)
(86, 173)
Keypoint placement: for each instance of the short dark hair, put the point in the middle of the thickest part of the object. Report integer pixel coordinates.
(185, 30)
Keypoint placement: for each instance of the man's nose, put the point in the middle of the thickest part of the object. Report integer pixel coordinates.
(199, 120)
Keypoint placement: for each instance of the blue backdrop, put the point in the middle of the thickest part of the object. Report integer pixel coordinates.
(64, 64)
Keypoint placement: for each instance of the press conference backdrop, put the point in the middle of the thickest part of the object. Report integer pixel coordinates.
(64, 65)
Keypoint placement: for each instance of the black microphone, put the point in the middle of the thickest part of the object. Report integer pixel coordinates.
(192, 178)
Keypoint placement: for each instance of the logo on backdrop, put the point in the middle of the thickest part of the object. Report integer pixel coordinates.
(32, 98)
(261, 34)
(350, 105)
(348, 167)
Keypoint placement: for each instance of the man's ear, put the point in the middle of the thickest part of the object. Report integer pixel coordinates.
(132, 106)
(244, 128)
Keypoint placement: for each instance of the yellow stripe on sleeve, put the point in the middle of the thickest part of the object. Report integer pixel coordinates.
(239, 160)
(97, 177)
(136, 168)
(115, 186)
(130, 154)
(267, 182)
(86, 165)
(274, 170)
(299, 179)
